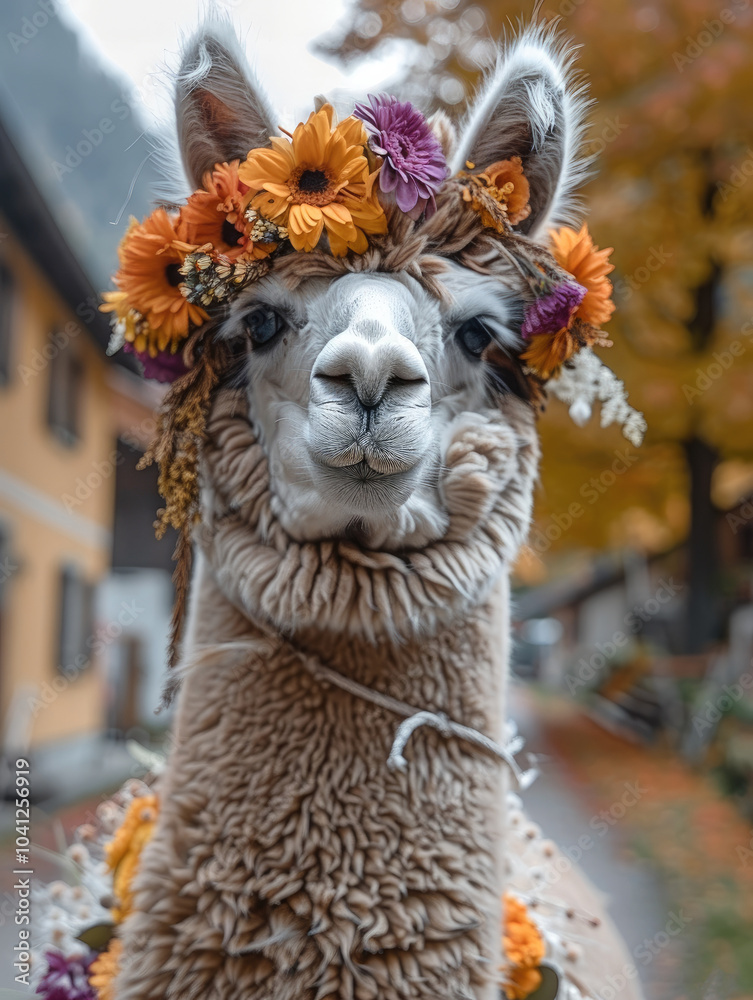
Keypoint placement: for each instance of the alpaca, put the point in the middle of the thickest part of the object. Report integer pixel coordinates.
(366, 482)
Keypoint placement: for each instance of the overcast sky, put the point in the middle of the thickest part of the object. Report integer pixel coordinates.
(140, 36)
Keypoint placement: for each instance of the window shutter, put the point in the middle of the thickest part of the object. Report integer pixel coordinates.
(76, 621)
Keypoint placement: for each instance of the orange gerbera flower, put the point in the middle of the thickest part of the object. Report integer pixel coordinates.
(151, 254)
(318, 181)
(576, 253)
(216, 215)
(523, 948)
(509, 185)
(547, 352)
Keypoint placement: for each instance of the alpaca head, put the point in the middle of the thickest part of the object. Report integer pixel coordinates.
(357, 375)
(355, 385)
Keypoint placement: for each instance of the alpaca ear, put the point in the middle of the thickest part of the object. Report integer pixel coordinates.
(530, 108)
(445, 133)
(221, 113)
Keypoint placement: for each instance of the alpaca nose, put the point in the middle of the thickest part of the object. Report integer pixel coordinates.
(372, 369)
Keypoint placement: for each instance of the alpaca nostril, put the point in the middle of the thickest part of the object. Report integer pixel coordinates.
(395, 382)
(370, 389)
(351, 369)
(337, 380)
(370, 397)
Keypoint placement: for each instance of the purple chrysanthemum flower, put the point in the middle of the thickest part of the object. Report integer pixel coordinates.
(166, 367)
(414, 164)
(553, 311)
(67, 978)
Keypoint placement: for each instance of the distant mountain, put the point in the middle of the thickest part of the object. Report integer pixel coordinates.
(77, 127)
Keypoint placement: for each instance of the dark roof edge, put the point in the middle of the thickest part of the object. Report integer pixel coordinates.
(23, 205)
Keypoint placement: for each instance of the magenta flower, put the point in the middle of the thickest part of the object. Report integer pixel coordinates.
(553, 311)
(166, 367)
(66, 978)
(414, 165)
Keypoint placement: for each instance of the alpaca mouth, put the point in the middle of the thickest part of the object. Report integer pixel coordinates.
(366, 472)
(363, 488)
(367, 456)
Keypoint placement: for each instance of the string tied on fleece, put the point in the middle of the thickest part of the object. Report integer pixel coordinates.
(413, 718)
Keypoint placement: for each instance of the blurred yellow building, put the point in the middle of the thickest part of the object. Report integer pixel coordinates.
(56, 534)
(74, 424)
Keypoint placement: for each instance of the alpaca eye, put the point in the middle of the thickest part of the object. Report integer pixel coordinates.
(474, 337)
(263, 325)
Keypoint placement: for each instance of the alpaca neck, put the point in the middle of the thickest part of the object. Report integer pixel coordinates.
(278, 793)
(460, 669)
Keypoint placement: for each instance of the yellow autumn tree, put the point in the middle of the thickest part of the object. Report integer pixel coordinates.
(673, 194)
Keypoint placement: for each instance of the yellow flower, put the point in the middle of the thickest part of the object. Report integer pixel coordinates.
(521, 984)
(577, 254)
(116, 302)
(319, 181)
(105, 968)
(123, 853)
(523, 948)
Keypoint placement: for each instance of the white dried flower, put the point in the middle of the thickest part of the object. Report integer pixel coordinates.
(78, 854)
(580, 412)
(117, 337)
(585, 379)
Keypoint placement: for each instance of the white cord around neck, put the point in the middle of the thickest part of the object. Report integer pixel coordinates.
(415, 718)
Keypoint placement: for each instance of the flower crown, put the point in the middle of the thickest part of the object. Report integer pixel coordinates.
(179, 267)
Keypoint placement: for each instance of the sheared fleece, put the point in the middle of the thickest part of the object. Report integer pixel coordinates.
(289, 863)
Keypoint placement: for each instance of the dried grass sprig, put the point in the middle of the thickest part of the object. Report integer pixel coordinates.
(181, 427)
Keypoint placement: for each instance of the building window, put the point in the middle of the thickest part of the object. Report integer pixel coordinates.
(76, 621)
(7, 299)
(135, 545)
(64, 401)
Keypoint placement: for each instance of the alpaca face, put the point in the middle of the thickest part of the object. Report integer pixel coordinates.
(352, 385)
(356, 383)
